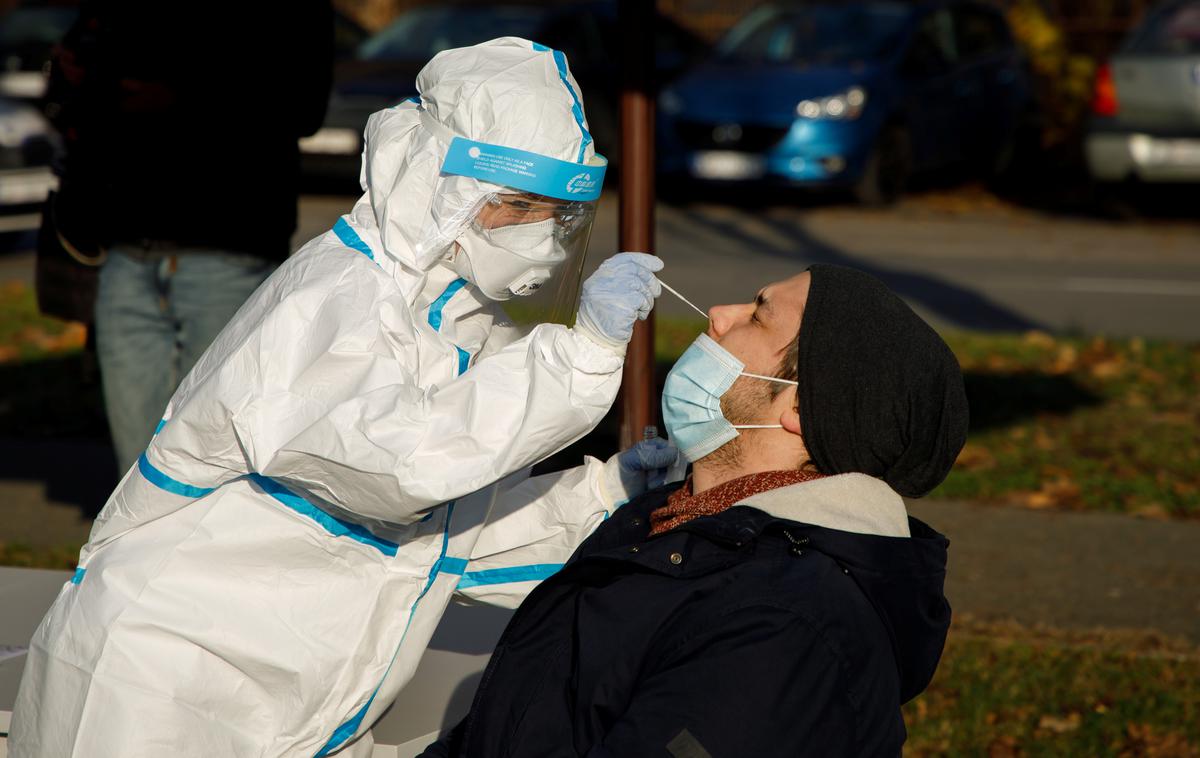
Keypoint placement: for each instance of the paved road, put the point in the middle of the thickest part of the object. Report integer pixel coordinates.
(1070, 570)
(993, 267)
(996, 268)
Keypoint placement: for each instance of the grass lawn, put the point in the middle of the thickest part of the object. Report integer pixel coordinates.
(1056, 422)
(1003, 691)
(62, 557)
(25, 334)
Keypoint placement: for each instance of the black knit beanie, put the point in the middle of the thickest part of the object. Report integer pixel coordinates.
(880, 392)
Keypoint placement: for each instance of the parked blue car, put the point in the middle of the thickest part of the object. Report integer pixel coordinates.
(855, 96)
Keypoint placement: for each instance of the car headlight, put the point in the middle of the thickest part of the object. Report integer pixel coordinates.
(669, 102)
(844, 106)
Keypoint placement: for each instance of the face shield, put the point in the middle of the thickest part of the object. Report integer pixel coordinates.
(514, 223)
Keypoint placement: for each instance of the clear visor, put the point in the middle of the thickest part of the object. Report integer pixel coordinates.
(528, 252)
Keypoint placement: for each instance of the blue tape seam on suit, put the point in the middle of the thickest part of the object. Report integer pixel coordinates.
(533, 573)
(346, 730)
(560, 62)
(350, 238)
(435, 309)
(334, 526)
(164, 482)
(435, 320)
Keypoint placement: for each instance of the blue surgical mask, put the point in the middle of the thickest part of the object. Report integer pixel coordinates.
(691, 398)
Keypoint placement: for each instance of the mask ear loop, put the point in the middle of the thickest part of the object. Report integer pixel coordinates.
(775, 379)
(769, 379)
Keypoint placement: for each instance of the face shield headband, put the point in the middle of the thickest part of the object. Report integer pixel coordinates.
(523, 170)
(518, 169)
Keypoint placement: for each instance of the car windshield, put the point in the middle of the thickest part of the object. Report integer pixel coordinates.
(424, 32)
(1174, 31)
(815, 34)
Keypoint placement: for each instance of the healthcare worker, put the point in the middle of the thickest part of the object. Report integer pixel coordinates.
(265, 579)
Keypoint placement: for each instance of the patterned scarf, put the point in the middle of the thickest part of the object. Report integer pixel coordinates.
(682, 506)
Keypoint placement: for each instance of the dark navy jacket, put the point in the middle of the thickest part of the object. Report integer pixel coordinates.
(735, 635)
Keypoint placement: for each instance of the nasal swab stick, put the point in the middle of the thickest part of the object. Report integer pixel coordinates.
(671, 289)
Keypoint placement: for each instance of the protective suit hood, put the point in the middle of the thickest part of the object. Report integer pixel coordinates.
(509, 92)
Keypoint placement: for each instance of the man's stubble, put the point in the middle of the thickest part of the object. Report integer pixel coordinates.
(743, 403)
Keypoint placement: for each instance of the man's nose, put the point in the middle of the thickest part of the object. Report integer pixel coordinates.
(722, 317)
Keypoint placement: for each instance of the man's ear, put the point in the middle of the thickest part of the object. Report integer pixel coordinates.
(790, 418)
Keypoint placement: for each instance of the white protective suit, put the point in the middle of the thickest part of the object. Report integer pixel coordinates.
(267, 577)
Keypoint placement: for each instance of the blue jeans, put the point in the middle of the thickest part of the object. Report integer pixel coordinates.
(156, 314)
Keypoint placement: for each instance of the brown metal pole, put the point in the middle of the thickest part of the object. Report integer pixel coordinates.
(636, 233)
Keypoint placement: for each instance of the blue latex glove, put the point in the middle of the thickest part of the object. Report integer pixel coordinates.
(619, 293)
(639, 469)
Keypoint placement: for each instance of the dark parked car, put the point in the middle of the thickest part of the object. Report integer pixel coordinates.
(856, 96)
(384, 71)
(27, 34)
(1146, 109)
(28, 144)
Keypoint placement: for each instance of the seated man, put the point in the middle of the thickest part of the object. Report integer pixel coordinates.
(780, 602)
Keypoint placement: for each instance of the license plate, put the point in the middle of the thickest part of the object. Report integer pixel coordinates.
(726, 164)
(331, 142)
(1171, 152)
(1184, 152)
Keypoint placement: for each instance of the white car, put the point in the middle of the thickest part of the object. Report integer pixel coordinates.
(28, 146)
(1146, 108)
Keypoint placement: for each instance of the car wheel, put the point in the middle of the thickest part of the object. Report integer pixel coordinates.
(887, 170)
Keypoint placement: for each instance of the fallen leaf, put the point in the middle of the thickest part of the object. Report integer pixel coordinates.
(1153, 512)
(1150, 376)
(996, 363)
(1144, 742)
(1035, 500)
(975, 458)
(1183, 489)
(1107, 369)
(1035, 338)
(1060, 725)
(1004, 747)
(1136, 399)
(1065, 360)
(1042, 440)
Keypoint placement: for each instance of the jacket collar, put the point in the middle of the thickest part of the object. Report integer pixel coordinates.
(846, 502)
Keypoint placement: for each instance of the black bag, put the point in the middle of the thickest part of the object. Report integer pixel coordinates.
(68, 266)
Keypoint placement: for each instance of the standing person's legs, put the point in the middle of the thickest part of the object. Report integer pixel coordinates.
(135, 342)
(206, 290)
